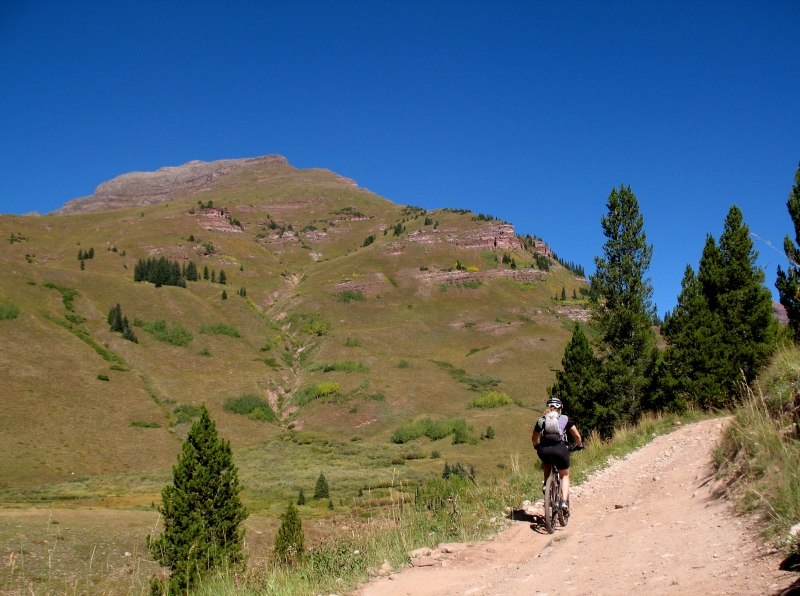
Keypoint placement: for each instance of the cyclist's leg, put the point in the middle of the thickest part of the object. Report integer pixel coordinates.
(564, 474)
(547, 468)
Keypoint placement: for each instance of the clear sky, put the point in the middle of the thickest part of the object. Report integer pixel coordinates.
(530, 111)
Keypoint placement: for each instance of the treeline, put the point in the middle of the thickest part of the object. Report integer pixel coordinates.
(163, 272)
(720, 333)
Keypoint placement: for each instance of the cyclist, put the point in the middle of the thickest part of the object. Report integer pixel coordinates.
(550, 441)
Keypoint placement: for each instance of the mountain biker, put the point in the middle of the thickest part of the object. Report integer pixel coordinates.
(550, 441)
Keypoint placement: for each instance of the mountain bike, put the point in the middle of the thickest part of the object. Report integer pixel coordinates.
(553, 514)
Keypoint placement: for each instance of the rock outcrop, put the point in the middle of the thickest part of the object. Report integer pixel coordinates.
(147, 188)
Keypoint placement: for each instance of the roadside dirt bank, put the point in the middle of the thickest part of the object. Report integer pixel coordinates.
(671, 535)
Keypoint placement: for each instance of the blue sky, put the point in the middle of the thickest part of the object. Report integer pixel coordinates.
(529, 111)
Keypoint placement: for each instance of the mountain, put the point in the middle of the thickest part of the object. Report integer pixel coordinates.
(346, 316)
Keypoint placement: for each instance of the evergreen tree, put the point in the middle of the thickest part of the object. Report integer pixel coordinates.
(213, 277)
(222, 278)
(82, 266)
(330, 504)
(127, 332)
(623, 316)
(205, 272)
(301, 498)
(574, 294)
(289, 541)
(191, 271)
(578, 385)
(321, 490)
(446, 473)
(114, 318)
(201, 510)
(563, 293)
(695, 363)
(745, 304)
(90, 254)
(788, 282)
(224, 295)
(80, 254)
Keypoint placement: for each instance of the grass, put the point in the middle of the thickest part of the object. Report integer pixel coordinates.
(343, 366)
(220, 329)
(139, 424)
(351, 295)
(175, 335)
(8, 311)
(304, 396)
(759, 457)
(434, 431)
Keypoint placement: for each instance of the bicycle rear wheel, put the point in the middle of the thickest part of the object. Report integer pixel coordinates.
(562, 519)
(551, 492)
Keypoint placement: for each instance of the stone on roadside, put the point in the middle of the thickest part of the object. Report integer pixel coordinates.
(423, 562)
(420, 552)
(450, 547)
(386, 568)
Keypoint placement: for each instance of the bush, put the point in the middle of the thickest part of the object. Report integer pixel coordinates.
(146, 424)
(351, 343)
(184, 414)
(176, 335)
(491, 399)
(204, 352)
(369, 240)
(348, 295)
(433, 430)
(403, 364)
(102, 378)
(435, 454)
(304, 396)
(8, 311)
(252, 406)
(220, 329)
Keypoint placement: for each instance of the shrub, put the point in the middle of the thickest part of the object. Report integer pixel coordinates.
(220, 329)
(403, 364)
(313, 392)
(176, 335)
(435, 454)
(205, 352)
(146, 424)
(369, 240)
(351, 343)
(102, 378)
(348, 295)
(491, 399)
(184, 414)
(488, 433)
(252, 406)
(77, 319)
(67, 294)
(433, 430)
(118, 368)
(8, 311)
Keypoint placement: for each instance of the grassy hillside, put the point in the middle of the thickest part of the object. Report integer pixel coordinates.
(401, 330)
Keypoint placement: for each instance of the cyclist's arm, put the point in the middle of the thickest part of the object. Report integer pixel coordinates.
(535, 437)
(577, 436)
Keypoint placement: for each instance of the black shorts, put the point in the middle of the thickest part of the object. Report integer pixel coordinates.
(557, 454)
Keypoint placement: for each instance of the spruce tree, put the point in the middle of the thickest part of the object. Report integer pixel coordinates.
(222, 278)
(201, 510)
(213, 277)
(301, 498)
(115, 319)
(788, 282)
(80, 254)
(563, 293)
(745, 304)
(330, 503)
(205, 272)
(321, 490)
(82, 266)
(90, 254)
(578, 385)
(289, 545)
(127, 332)
(191, 271)
(224, 295)
(623, 315)
(446, 473)
(695, 363)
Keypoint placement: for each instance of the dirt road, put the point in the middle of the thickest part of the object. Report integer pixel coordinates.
(670, 536)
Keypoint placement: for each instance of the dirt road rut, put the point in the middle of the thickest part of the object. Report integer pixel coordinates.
(670, 536)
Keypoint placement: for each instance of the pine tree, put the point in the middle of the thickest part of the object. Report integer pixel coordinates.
(301, 498)
(321, 490)
(695, 363)
(623, 316)
(224, 295)
(114, 318)
(578, 385)
(201, 510)
(446, 473)
(80, 254)
(222, 278)
(563, 293)
(82, 266)
(745, 304)
(788, 283)
(127, 332)
(205, 272)
(330, 503)
(90, 254)
(191, 271)
(289, 546)
(574, 294)
(213, 277)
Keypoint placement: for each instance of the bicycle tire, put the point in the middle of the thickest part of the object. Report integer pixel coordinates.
(550, 513)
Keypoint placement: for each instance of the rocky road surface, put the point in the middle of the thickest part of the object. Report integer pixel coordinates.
(647, 524)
